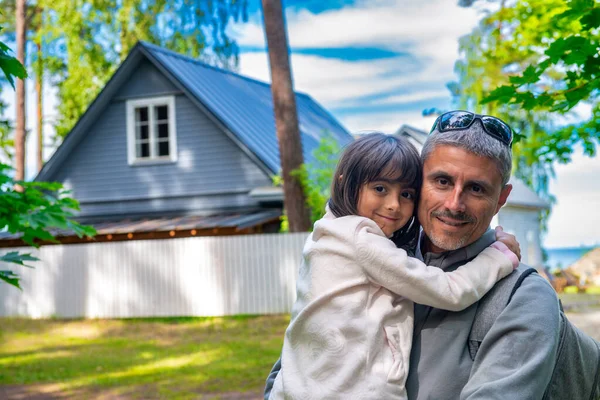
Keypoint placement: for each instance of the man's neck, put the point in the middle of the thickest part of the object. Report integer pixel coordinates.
(428, 247)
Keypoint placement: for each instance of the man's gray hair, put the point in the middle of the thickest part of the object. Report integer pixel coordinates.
(476, 141)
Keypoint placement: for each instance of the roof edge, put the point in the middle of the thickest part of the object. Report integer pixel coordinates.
(128, 65)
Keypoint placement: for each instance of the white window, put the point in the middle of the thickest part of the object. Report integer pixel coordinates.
(151, 134)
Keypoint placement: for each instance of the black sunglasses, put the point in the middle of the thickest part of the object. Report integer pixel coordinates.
(461, 120)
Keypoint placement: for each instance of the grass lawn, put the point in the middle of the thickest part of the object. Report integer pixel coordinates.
(172, 358)
(575, 302)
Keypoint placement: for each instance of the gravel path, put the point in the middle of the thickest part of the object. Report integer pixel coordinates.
(589, 322)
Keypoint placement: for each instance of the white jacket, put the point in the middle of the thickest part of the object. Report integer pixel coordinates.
(350, 332)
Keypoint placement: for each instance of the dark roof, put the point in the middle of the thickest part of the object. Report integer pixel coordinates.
(237, 220)
(242, 106)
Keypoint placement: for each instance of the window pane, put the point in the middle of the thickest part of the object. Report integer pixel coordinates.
(163, 130)
(163, 149)
(142, 150)
(161, 112)
(141, 114)
(141, 132)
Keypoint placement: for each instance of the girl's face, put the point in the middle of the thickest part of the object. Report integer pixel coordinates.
(390, 204)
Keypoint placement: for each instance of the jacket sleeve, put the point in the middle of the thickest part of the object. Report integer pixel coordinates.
(271, 379)
(516, 358)
(390, 267)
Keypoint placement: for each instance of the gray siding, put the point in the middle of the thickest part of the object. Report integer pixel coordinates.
(211, 171)
(524, 223)
(147, 81)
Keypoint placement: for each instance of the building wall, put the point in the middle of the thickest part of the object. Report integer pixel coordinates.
(198, 276)
(524, 224)
(211, 171)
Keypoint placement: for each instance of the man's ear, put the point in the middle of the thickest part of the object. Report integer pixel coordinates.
(503, 196)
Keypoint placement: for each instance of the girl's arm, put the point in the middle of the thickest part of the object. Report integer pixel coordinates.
(409, 277)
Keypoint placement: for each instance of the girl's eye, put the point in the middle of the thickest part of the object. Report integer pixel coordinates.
(408, 195)
(379, 189)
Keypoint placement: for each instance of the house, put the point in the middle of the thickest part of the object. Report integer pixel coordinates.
(173, 147)
(519, 216)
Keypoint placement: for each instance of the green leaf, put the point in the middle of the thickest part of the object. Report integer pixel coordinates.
(503, 94)
(530, 75)
(18, 258)
(591, 20)
(11, 68)
(10, 278)
(575, 96)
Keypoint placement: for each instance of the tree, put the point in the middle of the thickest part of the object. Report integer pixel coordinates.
(20, 133)
(523, 63)
(34, 19)
(90, 38)
(37, 207)
(286, 117)
(315, 178)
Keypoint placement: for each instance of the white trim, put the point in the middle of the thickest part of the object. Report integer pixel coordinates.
(131, 105)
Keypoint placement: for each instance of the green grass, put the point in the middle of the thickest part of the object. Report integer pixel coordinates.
(175, 358)
(579, 301)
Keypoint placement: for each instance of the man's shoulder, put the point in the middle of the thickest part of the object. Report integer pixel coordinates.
(535, 283)
(534, 295)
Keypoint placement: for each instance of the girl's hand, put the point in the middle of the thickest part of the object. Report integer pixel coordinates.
(509, 240)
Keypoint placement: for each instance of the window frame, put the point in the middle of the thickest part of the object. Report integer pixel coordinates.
(151, 103)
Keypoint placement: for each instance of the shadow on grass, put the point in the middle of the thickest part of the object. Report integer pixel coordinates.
(160, 356)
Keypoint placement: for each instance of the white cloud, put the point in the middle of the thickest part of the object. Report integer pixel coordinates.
(574, 220)
(420, 31)
(427, 29)
(336, 82)
(387, 122)
(410, 97)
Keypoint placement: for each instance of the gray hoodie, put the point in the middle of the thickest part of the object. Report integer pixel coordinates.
(514, 361)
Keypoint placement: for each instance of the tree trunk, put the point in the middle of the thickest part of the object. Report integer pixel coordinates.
(286, 118)
(39, 87)
(20, 94)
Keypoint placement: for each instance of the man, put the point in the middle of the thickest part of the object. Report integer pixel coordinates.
(466, 167)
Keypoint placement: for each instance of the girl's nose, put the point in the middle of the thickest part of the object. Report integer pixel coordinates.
(393, 203)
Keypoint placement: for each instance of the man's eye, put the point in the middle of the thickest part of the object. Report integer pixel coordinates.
(476, 189)
(443, 181)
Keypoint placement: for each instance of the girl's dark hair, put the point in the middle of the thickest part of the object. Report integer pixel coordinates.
(371, 157)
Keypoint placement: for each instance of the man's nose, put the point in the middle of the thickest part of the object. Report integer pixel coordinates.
(454, 201)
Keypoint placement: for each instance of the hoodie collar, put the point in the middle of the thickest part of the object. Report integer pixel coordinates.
(460, 256)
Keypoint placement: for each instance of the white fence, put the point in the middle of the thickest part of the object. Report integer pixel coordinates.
(199, 276)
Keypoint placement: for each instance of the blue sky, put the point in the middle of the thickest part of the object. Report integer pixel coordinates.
(377, 64)
(378, 60)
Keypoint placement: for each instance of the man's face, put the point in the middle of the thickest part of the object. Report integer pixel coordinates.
(461, 193)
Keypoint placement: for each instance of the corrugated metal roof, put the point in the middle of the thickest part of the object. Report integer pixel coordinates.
(521, 194)
(245, 106)
(238, 220)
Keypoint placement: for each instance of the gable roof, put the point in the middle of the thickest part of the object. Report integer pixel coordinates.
(521, 195)
(241, 106)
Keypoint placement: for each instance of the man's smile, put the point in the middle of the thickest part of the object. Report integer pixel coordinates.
(452, 222)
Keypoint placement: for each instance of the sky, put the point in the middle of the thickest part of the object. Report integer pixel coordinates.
(376, 65)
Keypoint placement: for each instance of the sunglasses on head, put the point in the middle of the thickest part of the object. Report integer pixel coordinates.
(461, 120)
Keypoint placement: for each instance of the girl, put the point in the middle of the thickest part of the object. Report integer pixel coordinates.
(350, 333)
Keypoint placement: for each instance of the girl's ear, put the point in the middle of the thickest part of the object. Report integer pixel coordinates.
(340, 177)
